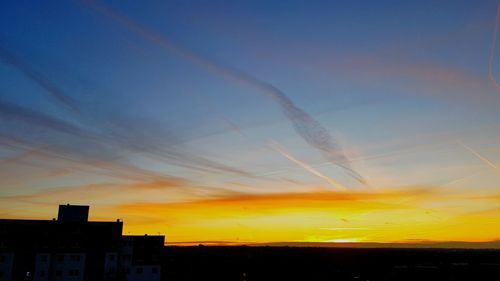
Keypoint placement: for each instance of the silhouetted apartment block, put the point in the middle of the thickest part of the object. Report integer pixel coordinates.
(141, 257)
(72, 248)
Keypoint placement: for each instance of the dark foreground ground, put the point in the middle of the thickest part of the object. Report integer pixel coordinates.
(294, 263)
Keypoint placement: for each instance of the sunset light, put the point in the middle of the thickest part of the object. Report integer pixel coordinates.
(250, 140)
(255, 122)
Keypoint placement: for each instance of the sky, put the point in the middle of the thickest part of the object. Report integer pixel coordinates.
(255, 121)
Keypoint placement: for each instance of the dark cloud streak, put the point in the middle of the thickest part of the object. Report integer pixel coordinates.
(12, 112)
(39, 78)
(306, 126)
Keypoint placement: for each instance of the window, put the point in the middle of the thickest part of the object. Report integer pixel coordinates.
(75, 257)
(43, 258)
(154, 269)
(111, 257)
(138, 270)
(73, 272)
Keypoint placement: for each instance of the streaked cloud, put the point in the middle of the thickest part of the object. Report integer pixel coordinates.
(482, 158)
(491, 59)
(307, 167)
(39, 78)
(304, 124)
(163, 114)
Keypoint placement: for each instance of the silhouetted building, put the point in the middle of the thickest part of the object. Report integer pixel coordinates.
(141, 257)
(73, 213)
(72, 248)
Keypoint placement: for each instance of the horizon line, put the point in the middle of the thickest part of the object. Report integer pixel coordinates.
(492, 244)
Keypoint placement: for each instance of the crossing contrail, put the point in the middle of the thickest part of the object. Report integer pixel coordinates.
(482, 158)
(307, 127)
(39, 78)
(307, 167)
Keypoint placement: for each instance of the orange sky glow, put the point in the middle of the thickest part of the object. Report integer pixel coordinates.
(249, 122)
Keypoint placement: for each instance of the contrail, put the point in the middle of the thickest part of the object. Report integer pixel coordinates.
(461, 178)
(307, 127)
(37, 77)
(306, 166)
(10, 111)
(492, 51)
(482, 158)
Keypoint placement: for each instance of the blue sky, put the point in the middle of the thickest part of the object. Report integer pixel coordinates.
(126, 92)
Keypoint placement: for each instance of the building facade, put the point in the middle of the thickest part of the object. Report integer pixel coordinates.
(72, 248)
(141, 257)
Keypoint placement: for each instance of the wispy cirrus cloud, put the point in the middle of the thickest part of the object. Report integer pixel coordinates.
(89, 141)
(491, 59)
(53, 90)
(479, 156)
(12, 113)
(280, 149)
(305, 125)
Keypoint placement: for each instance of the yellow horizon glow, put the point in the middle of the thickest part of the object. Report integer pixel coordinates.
(408, 216)
(346, 240)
